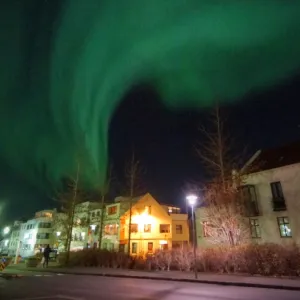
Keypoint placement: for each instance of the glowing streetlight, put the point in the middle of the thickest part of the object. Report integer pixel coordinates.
(58, 233)
(6, 230)
(192, 200)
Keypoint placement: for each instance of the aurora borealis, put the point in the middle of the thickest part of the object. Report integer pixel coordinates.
(66, 64)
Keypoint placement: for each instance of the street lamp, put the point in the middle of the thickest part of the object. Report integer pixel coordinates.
(192, 200)
(58, 233)
(6, 230)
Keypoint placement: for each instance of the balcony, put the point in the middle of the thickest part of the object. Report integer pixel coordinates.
(279, 204)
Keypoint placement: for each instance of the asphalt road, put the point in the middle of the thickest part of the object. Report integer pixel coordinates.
(69, 287)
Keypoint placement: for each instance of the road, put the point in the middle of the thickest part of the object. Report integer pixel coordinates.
(70, 287)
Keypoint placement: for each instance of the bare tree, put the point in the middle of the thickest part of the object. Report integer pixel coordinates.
(133, 171)
(68, 199)
(104, 190)
(224, 222)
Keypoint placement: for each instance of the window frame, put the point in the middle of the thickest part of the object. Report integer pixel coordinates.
(152, 247)
(254, 224)
(134, 246)
(168, 226)
(284, 223)
(149, 228)
(179, 231)
(135, 226)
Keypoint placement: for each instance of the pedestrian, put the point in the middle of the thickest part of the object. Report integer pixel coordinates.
(46, 254)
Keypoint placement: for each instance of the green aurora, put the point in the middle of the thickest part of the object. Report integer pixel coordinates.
(66, 64)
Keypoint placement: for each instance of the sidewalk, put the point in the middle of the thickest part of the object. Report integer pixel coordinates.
(207, 278)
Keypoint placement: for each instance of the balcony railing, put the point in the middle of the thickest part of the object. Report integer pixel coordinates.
(279, 204)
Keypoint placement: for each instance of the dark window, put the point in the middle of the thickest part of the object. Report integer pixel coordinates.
(122, 248)
(164, 228)
(277, 195)
(178, 229)
(147, 228)
(134, 248)
(150, 247)
(42, 236)
(112, 210)
(98, 213)
(134, 228)
(45, 225)
(249, 201)
(93, 214)
(254, 228)
(284, 227)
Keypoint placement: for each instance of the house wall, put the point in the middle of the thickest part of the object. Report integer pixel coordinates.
(289, 176)
(29, 236)
(183, 237)
(155, 216)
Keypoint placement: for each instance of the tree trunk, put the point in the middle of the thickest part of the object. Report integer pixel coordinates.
(101, 221)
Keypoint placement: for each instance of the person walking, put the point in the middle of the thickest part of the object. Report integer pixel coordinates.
(46, 254)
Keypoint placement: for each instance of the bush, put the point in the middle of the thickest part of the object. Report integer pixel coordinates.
(262, 259)
(95, 258)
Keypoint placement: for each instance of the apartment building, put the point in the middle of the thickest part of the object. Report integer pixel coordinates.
(153, 226)
(36, 233)
(86, 223)
(113, 218)
(271, 196)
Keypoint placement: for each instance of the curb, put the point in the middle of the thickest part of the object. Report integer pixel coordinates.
(214, 282)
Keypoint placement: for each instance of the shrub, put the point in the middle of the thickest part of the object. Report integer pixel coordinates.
(262, 259)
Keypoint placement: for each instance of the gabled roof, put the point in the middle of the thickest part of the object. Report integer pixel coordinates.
(277, 157)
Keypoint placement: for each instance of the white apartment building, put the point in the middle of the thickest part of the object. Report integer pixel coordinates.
(272, 197)
(36, 233)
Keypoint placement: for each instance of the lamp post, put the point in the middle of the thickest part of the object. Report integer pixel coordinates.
(192, 199)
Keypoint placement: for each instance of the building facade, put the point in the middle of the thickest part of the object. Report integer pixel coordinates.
(153, 227)
(271, 197)
(36, 233)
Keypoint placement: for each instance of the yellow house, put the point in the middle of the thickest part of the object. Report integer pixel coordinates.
(153, 226)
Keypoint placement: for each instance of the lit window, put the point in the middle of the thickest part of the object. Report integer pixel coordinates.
(164, 228)
(134, 228)
(150, 247)
(178, 229)
(147, 228)
(112, 210)
(254, 228)
(134, 248)
(148, 210)
(284, 227)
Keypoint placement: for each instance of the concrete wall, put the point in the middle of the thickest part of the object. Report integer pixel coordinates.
(289, 176)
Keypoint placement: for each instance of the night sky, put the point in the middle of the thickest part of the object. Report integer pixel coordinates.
(96, 79)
